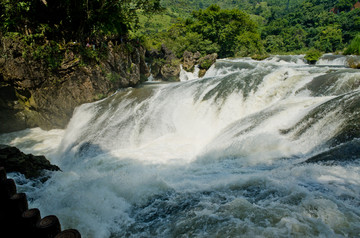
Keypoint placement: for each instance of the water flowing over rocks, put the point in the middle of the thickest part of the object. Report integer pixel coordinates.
(254, 148)
(32, 95)
(13, 160)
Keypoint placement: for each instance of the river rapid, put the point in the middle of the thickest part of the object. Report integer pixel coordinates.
(226, 155)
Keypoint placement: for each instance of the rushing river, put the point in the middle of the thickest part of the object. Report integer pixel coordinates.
(220, 156)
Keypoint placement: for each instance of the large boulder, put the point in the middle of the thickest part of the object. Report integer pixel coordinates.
(353, 61)
(171, 71)
(13, 160)
(208, 60)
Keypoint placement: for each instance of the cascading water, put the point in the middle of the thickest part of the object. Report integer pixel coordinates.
(221, 156)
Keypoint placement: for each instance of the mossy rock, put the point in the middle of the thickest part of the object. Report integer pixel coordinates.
(353, 62)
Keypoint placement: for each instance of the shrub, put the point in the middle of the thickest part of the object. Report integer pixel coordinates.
(354, 47)
(313, 55)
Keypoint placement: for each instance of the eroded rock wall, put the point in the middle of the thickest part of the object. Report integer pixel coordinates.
(33, 95)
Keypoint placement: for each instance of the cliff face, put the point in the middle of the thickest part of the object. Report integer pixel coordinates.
(33, 95)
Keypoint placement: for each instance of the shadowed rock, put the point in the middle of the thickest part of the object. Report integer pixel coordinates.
(13, 160)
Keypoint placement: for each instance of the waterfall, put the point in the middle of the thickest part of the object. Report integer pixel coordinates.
(231, 154)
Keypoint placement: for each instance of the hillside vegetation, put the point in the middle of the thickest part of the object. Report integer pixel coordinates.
(285, 26)
(228, 27)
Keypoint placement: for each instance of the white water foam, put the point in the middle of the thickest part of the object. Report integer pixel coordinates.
(185, 76)
(333, 60)
(200, 158)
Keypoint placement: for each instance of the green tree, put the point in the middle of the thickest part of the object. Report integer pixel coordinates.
(330, 39)
(345, 5)
(224, 27)
(74, 19)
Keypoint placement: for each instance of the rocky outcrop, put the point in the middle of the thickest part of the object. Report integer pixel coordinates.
(190, 60)
(13, 160)
(206, 62)
(165, 65)
(34, 95)
(353, 61)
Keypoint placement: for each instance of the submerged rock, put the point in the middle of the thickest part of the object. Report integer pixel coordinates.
(343, 153)
(13, 160)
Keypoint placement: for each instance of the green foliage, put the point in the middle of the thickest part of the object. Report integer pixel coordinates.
(313, 55)
(330, 39)
(50, 53)
(312, 25)
(345, 5)
(213, 30)
(112, 77)
(46, 25)
(225, 28)
(354, 47)
(284, 26)
(206, 64)
(74, 19)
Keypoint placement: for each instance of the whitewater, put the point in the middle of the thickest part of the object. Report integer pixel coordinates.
(253, 149)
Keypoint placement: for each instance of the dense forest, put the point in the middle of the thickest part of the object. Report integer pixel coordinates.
(230, 27)
(277, 27)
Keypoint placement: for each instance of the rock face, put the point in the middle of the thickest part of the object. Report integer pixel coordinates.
(166, 67)
(13, 160)
(206, 62)
(32, 95)
(190, 60)
(164, 64)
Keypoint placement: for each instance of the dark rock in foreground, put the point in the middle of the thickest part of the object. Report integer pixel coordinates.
(13, 160)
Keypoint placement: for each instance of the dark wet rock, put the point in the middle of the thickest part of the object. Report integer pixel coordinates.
(342, 153)
(13, 160)
(346, 107)
(323, 85)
